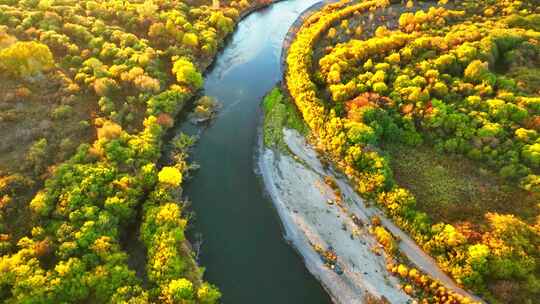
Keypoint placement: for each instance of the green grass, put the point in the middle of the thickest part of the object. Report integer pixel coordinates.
(453, 189)
(279, 113)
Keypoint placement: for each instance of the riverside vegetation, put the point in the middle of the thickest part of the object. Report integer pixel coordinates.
(442, 101)
(87, 92)
(89, 88)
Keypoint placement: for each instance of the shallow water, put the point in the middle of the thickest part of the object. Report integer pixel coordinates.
(244, 250)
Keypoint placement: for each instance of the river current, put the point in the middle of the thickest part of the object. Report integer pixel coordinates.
(243, 247)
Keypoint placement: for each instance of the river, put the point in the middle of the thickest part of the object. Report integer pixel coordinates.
(244, 251)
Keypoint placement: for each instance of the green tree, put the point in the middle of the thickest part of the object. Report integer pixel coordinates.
(208, 294)
(178, 290)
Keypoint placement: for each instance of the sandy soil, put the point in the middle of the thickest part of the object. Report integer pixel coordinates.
(301, 198)
(296, 184)
(407, 245)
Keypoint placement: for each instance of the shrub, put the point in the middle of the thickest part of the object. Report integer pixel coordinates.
(37, 155)
(187, 74)
(386, 239)
(170, 176)
(109, 130)
(23, 59)
(531, 153)
(62, 112)
(360, 133)
(208, 294)
(166, 102)
(178, 290)
(190, 40)
(105, 86)
(380, 87)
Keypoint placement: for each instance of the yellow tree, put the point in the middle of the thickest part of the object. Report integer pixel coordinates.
(25, 59)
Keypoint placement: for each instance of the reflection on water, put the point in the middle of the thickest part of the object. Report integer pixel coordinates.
(243, 248)
(254, 38)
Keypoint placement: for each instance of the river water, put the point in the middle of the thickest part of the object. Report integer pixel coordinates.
(244, 250)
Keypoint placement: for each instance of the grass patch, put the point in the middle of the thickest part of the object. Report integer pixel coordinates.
(279, 113)
(453, 189)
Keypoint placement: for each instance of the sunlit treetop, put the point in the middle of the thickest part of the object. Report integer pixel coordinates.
(170, 176)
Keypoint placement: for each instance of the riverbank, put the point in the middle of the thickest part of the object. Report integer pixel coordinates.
(296, 184)
(242, 244)
(312, 216)
(322, 214)
(300, 62)
(137, 248)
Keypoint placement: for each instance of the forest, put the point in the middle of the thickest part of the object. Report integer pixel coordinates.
(88, 91)
(431, 109)
(437, 87)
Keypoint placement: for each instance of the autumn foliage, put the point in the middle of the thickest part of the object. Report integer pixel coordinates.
(459, 78)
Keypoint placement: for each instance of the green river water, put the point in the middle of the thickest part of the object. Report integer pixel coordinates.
(244, 250)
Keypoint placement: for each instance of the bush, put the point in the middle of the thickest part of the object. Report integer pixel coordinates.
(169, 102)
(109, 130)
(531, 153)
(208, 294)
(23, 59)
(37, 155)
(359, 133)
(62, 112)
(105, 86)
(178, 290)
(187, 74)
(170, 176)
(380, 87)
(386, 239)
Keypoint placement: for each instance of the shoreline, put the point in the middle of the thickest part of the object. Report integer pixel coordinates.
(309, 220)
(208, 65)
(181, 117)
(358, 206)
(295, 183)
